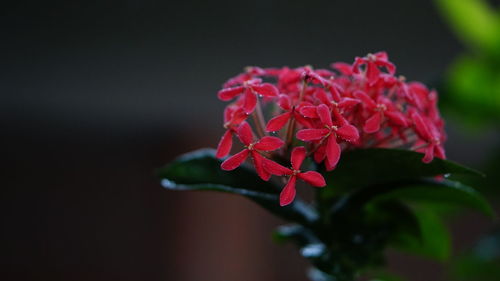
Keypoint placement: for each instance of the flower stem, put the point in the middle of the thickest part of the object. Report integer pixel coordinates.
(258, 118)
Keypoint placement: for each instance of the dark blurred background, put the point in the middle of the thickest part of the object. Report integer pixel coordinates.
(95, 95)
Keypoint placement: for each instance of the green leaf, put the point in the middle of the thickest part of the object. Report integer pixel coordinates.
(433, 240)
(363, 167)
(200, 171)
(475, 21)
(440, 191)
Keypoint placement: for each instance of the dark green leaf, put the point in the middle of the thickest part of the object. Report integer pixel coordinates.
(363, 167)
(440, 191)
(433, 240)
(200, 170)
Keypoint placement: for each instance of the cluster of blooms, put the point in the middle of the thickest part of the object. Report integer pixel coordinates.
(356, 105)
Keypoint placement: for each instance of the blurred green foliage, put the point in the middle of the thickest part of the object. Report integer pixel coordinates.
(472, 86)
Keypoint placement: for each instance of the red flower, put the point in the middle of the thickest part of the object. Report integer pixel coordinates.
(430, 138)
(250, 89)
(311, 177)
(277, 123)
(327, 109)
(233, 116)
(383, 108)
(372, 62)
(253, 149)
(250, 73)
(329, 134)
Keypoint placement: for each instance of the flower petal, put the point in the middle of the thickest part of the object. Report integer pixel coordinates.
(348, 133)
(284, 102)
(342, 67)
(439, 151)
(278, 122)
(249, 102)
(348, 103)
(309, 111)
(234, 161)
(324, 114)
(313, 178)
(258, 162)
(225, 144)
(372, 73)
(298, 156)
(266, 89)
(238, 116)
(311, 134)
(229, 93)
(245, 134)
(275, 168)
(429, 154)
(320, 154)
(372, 125)
(269, 143)
(367, 100)
(322, 96)
(288, 193)
(420, 127)
(397, 118)
(333, 151)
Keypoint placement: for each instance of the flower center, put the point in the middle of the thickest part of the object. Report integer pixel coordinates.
(250, 146)
(381, 107)
(295, 172)
(435, 141)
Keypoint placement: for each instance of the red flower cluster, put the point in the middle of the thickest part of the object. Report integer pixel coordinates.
(356, 105)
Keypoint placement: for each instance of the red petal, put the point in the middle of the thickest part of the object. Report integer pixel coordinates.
(381, 56)
(429, 154)
(228, 113)
(348, 133)
(269, 143)
(230, 93)
(329, 166)
(357, 62)
(284, 102)
(372, 73)
(258, 161)
(311, 134)
(313, 178)
(322, 96)
(344, 68)
(225, 144)
(332, 151)
(325, 115)
(298, 156)
(397, 118)
(250, 101)
(238, 116)
(348, 103)
(288, 193)
(372, 125)
(320, 155)
(278, 122)
(275, 168)
(309, 111)
(420, 126)
(389, 66)
(439, 151)
(245, 134)
(367, 101)
(266, 89)
(234, 161)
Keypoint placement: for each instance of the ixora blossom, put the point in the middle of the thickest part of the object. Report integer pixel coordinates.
(319, 113)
